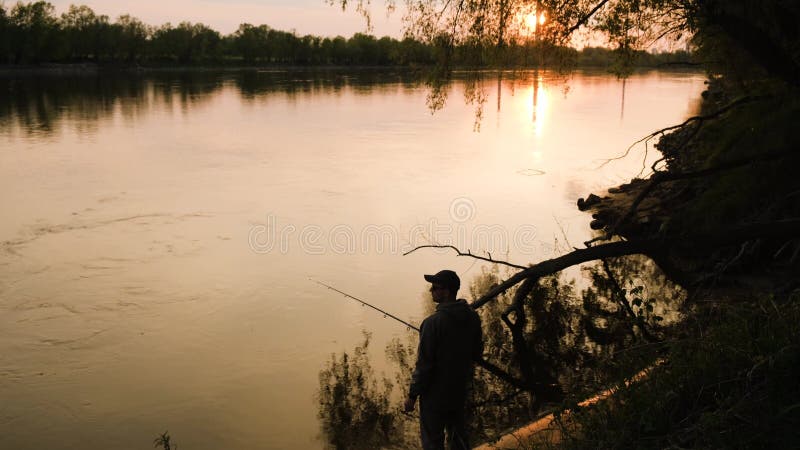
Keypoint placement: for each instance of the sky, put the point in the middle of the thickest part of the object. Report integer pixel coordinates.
(305, 16)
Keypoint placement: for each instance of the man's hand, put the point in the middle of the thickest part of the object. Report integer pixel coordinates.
(409, 405)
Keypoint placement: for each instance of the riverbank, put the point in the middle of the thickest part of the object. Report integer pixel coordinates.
(731, 364)
(95, 69)
(731, 385)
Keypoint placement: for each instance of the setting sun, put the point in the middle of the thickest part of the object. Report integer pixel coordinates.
(530, 20)
(533, 20)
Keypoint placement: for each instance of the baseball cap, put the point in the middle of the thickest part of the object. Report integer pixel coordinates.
(446, 278)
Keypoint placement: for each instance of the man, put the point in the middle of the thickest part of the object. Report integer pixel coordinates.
(450, 340)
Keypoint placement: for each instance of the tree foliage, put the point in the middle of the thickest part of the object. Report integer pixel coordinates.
(355, 412)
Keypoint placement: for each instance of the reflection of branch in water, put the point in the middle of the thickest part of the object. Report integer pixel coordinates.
(475, 94)
(437, 95)
(499, 91)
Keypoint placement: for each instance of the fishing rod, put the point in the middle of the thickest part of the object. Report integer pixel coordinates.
(363, 303)
(491, 368)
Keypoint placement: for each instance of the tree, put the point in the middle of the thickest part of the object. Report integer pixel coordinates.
(205, 42)
(4, 34)
(80, 26)
(186, 43)
(132, 35)
(339, 50)
(362, 49)
(385, 50)
(33, 31)
(251, 42)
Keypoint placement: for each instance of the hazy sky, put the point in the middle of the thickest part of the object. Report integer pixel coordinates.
(306, 16)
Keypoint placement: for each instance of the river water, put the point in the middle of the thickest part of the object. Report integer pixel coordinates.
(158, 232)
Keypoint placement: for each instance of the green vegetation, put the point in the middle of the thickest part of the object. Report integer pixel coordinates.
(32, 33)
(730, 384)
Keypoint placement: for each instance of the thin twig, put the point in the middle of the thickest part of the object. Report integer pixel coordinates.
(700, 119)
(468, 253)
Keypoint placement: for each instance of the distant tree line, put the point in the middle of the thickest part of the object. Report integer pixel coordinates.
(32, 33)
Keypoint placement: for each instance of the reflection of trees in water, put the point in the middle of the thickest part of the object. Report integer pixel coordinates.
(39, 105)
(255, 85)
(578, 341)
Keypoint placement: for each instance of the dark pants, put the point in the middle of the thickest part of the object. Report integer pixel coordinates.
(434, 423)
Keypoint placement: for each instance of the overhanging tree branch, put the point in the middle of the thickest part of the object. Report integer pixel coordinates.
(778, 229)
(584, 19)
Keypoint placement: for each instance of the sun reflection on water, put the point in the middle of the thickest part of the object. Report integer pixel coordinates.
(539, 105)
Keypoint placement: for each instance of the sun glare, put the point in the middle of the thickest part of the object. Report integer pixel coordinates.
(533, 20)
(530, 20)
(538, 106)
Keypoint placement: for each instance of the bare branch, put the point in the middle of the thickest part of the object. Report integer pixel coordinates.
(563, 233)
(468, 253)
(699, 119)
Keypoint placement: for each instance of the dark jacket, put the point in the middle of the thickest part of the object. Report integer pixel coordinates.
(450, 341)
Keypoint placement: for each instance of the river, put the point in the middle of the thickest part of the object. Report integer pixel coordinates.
(159, 231)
